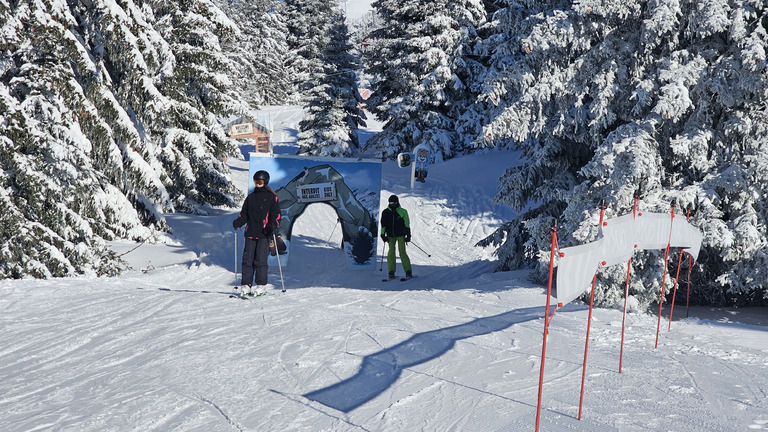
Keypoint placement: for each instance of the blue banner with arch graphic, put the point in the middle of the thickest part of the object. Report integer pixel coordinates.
(352, 187)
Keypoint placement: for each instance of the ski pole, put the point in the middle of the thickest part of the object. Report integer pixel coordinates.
(277, 253)
(417, 246)
(235, 258)
(334, 230)
(381, 261)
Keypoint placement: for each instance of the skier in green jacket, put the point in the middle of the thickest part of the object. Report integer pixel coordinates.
(396, 230)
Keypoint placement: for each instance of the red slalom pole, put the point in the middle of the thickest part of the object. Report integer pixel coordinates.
(589, 320)
(677, 277)
(624, 317)
(688, 297)
(546, 324)
(664, 275)
(626, 294)
(674, 292)
(586, 344)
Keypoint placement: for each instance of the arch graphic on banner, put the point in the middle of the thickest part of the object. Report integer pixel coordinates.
(324, 184)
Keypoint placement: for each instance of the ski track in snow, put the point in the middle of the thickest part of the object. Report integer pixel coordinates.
(456, 349)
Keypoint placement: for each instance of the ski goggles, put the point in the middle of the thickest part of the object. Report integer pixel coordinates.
(258, 182)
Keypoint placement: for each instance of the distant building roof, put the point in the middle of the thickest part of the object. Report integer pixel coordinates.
(245, 119)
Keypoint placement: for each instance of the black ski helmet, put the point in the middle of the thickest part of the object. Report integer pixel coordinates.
(261, 175)
(394, 201)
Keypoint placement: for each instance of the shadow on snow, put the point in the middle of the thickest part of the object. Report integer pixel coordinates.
(380, 370)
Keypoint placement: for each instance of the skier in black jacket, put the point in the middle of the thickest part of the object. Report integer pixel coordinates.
(396, 230)
(261, 217)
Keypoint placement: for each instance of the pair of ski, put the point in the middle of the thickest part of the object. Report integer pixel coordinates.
(402, 279)
(251, 297)
(248, 297)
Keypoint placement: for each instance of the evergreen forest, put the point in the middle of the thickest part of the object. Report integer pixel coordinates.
(114, 113)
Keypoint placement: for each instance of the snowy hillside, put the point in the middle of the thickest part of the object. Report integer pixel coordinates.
(164, 348)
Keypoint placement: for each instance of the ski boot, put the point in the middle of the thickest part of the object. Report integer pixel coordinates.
(245, 291)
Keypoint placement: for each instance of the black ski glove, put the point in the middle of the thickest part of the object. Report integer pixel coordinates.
(237, 223)
(384, 237)
(407, 234)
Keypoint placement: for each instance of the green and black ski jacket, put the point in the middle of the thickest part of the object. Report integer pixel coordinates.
(395, 223)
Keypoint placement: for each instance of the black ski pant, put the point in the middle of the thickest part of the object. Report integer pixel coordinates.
(255, 255)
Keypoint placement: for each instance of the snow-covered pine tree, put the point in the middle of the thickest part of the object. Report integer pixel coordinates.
(663, 98)
(487, 64)
(418, 61)
(198, 91)
(272, 83)
(259, 51)
(86, 134)
(164, 63)
(69, 177)
(333, 113)
(308, 22)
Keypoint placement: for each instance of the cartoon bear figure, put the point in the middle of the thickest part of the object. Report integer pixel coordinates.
(423, 159)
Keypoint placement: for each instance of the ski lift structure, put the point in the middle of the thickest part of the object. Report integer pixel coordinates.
(245, 127)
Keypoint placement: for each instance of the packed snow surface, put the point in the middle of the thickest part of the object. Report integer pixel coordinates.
(164, 348)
